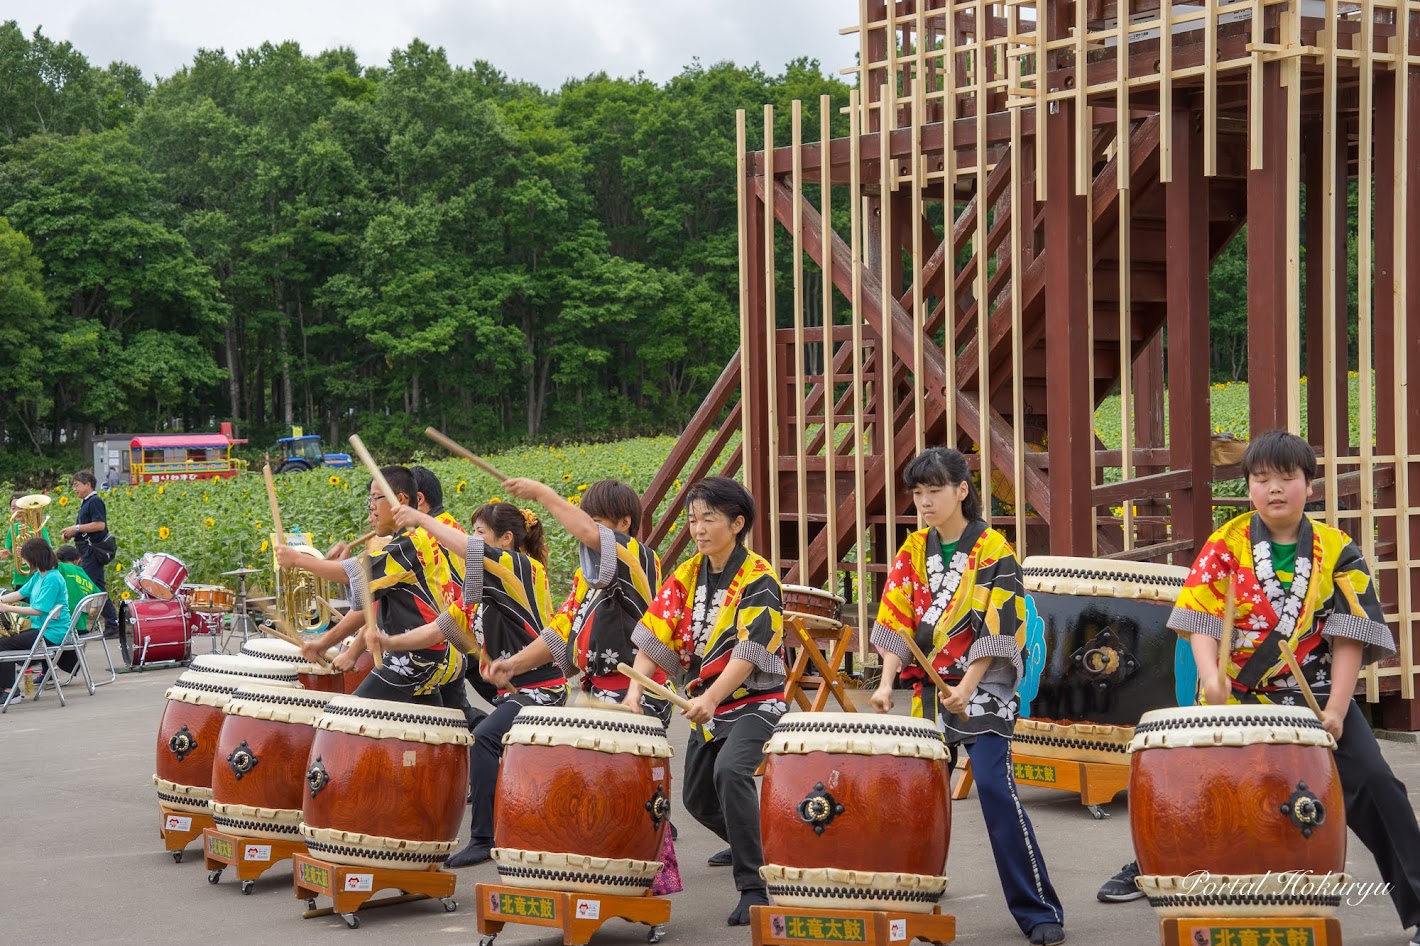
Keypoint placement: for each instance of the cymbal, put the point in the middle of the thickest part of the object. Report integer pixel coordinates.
(37, 501)
(243, 571)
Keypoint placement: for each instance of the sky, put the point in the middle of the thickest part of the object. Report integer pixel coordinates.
(541, 41)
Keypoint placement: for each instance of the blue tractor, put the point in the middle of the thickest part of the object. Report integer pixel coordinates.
(301, 454)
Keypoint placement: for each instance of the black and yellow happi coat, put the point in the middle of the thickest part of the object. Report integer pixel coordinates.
(591, 632)
(1330, 593)
(413, 583)
(507, 604)
(971, 607)
(693, 630)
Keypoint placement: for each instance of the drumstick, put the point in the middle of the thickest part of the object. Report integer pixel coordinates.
(937, 681)
(1296, 669)
(371, 629)
(275, 509)
(649, 684)
(1225, 652)
(375, 473)
(360, 541)
(467, 454)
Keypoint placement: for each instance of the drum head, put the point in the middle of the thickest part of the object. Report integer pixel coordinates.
(386, 719)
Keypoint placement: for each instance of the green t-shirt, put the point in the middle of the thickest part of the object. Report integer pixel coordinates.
(1284, 562)
(948, 550)
(79, 586)
(18, 578)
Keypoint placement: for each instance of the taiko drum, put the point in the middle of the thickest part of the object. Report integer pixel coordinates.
(188, 736)
(818, 609)
(312, 676)
(249, 669)
(259, 768)
(1249, 793)
(583, 800)
(386, 783)
(831, 782)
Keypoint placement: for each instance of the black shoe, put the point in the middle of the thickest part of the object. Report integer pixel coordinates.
(475, 853)
(753, 897)
(1415, 940)
(111, 632)
(1047, 934)
(675, 835)
(1121, 887)
(721, 859)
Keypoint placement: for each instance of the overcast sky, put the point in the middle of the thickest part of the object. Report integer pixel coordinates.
(542, 41)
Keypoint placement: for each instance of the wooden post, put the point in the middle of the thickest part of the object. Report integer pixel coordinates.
(1267, 264)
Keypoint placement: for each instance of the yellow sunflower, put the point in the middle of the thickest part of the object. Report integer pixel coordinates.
(209, 522)
(161, 488)
(118, 566)
(582, 488)
(575, 499)
(265, 546)
(460, 487)
(127, 596)
(334, 480)
(495, 499)
(63, 500)
(566, 477)
(163, 532)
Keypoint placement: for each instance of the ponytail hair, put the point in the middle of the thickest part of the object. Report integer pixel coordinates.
(943, 466)
(528, 535)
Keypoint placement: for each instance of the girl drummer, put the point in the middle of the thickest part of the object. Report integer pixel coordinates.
(956, 589)
(506, 597)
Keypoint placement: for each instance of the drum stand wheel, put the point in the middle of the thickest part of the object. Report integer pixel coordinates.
(577, 915)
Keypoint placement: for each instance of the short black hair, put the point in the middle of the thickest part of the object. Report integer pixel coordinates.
(613, 500)
(427, 483)
(943, 466)
(401, 481)
(725, 495)
(1279, 451)
(86, 477)
(40, 556)
(67, 553)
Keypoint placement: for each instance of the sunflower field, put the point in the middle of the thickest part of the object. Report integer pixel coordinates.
(214, 526)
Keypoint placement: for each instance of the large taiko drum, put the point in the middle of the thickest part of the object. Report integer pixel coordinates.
(155, 631)
(259, 768)
(1237, 810)
(312, 676)
(583, 799)
(831, 782)
(818, 609)
(386, 783)
(188, 734)
(157, 575)
(249, 669)
(1099, 655)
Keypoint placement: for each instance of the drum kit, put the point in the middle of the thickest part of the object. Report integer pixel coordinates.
(159, 625)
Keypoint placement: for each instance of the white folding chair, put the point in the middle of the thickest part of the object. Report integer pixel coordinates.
(93, 606)
(40, 652)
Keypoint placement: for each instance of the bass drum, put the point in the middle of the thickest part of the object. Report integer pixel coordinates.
(1098, 646)
(152, 631)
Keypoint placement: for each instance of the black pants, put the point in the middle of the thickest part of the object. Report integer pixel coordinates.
(484, 757)
(376, 688)
(1378, 811)
(95, 571)
(719, 791)
(24, 641)
(455, 696)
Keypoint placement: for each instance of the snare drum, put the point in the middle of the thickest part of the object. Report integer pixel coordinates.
(158, 575)
(386, 783)
(259, 769)
(583, 799)
(833, 782)
(312, 676)
(818, 609)
(154, 631)
(1246, 797)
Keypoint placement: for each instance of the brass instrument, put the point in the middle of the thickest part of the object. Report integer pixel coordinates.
(31, 520)
(299, 594)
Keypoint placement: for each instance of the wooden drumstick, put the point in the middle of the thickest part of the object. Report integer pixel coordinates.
(1225, 651)
(454, 447)
(372, 630)
(275, 509)
(1296, 669)
(375, 473)
(647, 683)
(360, 541)
(932, 675)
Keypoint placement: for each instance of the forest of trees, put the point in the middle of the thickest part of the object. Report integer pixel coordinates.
(277, 237)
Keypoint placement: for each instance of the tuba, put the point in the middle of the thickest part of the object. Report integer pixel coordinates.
(27, 522)
(298, 592)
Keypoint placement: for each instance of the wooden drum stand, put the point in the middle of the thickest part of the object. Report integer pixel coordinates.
(577, 915)
(252, 857)
(805, 926)
(177, 829)
(1262, 931)
(350, 887)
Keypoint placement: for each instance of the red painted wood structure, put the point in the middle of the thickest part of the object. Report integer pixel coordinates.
(1027, 204)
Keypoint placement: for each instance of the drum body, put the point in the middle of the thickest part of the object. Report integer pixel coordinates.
(312, 676)
(259, 768)
(155, 631)
(386, 783)
(1108, 654)
(1248, 794)
(159, 575)
(815, 607)
(833, 782)
(583, 800)
(209, 599)
(188, 735)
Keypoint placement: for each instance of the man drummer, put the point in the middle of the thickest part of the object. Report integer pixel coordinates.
(92, 538)
(1304, 585)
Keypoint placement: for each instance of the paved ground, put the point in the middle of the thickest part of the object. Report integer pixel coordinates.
(83, 863)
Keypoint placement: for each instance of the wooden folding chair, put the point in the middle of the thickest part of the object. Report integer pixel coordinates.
(811, 650)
